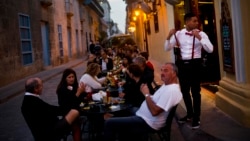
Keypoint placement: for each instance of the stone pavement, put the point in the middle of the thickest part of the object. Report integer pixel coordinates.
(215, 125)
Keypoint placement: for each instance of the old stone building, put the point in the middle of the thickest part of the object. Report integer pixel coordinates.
(40, 34)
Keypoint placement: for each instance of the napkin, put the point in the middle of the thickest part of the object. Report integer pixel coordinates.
(98, 96)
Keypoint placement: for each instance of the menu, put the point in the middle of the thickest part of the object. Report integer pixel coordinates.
(227, 38)
(227, 46)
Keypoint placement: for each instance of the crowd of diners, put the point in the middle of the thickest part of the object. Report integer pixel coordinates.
(149, 107)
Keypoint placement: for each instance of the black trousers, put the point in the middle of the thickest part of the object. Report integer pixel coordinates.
(189, 77)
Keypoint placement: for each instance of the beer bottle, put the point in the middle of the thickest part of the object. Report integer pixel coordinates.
(108, 95)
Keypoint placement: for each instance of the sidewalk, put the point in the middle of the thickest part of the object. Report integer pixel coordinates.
(9, 91)
(215, 125)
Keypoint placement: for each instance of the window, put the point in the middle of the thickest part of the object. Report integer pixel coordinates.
(25, 36)
(59, 28)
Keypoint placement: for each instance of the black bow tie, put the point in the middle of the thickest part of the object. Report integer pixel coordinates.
(190, 34)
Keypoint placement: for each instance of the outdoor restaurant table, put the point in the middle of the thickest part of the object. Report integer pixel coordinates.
(100, 108)
(94, 111)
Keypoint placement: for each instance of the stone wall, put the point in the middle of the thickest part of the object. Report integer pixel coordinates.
(12, 68)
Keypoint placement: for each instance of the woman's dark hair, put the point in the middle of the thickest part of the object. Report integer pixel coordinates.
(129, 60)
(135, 70)
(145, 55)
(63, 82)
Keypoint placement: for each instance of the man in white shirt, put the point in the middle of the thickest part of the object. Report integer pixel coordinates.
(153, 111)
(190, 40)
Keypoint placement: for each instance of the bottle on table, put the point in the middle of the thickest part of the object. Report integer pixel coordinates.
(108, 97)
(120, 89)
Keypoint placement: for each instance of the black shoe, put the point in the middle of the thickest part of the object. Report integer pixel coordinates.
(196, 124)
(184, 119)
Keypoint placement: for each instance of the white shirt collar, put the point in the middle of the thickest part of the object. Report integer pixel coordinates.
(28, 93)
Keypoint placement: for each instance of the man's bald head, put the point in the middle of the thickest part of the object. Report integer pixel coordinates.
(32, 84)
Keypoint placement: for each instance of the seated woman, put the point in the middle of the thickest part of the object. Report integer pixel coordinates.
(67, 98)
(90, 79)
(126, 61)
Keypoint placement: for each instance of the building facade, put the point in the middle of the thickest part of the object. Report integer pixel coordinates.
(224, 21)
(40, 34)
(107, 17)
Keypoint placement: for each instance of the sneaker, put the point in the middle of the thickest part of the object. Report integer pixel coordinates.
(195, 125)
(184, 119)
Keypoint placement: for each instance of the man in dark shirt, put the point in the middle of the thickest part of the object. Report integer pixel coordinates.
(135, 97)
(41, 117)
(134, 79)
(148, 73)
(105, 62)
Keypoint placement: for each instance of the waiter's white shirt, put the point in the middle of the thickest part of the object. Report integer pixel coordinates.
(186, 44)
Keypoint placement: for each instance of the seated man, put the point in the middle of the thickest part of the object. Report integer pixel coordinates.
(134, 96)
(145, 55)
(106, 63)
(148, 74)
(41, 117)
(153, 111)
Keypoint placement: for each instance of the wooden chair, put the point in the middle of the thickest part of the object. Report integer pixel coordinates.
(165, 132)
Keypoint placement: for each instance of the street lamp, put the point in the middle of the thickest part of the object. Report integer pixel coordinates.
(131, 29)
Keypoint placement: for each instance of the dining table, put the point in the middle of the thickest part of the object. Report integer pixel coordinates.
(98, 107)
(94, 111)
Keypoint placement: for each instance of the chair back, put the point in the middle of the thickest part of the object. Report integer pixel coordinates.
(165, 132)
(170, 119)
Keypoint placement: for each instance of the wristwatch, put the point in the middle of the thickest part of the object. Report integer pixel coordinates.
(146, 95)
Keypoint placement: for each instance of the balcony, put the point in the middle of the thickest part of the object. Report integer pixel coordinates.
(94, 5)
(69, 8)
(46, 3)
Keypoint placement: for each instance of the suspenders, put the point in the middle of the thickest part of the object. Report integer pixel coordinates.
(177, 50)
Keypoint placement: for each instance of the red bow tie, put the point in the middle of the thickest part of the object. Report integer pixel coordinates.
(190, 34)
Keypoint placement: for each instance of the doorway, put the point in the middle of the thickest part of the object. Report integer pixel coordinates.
(205, 12)
(45, 43)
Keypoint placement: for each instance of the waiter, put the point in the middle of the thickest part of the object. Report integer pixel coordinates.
(190, 40)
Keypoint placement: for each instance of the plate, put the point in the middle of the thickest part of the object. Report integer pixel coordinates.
(113, 107)
(86, 108)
